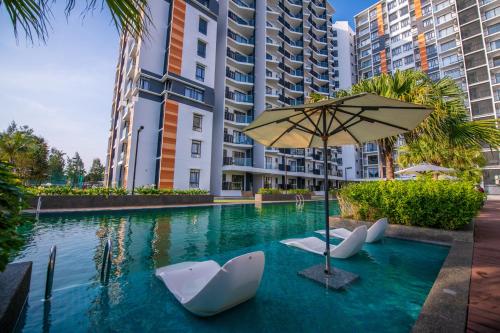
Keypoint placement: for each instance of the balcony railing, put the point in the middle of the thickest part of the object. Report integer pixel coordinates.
(240, 98)
(238, 118)
(238, 161)
(238, 139)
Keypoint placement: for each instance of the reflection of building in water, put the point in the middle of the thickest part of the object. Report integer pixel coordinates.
(161, 241)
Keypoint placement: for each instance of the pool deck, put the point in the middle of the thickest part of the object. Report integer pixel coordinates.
(484, 297)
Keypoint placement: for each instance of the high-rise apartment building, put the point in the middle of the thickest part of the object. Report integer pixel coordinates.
(206, 70)
(345, 75)
(451, 38)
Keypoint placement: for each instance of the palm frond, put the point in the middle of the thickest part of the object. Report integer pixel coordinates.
(33, 16)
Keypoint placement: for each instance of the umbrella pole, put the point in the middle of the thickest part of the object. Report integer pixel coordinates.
(327, 210)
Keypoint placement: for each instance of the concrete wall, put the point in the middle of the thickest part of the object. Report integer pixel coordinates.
(185, 135)
(152, 53)
(147, 114)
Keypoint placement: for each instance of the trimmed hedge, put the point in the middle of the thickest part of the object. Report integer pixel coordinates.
(440, 204)
(277, 191)
(108, 191)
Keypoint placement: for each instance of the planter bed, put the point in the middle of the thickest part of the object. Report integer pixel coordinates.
(279, 197)
(87, 201)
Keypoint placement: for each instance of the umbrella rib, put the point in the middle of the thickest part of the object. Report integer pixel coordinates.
(331, 119)
(371, 120)
(416, 107)
(349, 132)
(346, 122)
(281, 135)
(302, 128)
(312, 122)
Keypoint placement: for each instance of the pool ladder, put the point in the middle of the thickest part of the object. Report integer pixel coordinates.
(106, 262)
(38, 207)
(105, 268)
(299, 200)
(50, 273)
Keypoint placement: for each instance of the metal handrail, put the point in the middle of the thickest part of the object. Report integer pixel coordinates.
(106, 262)
(38, 207)
(50, 273)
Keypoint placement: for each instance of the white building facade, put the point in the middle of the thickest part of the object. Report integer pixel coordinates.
(206, 71)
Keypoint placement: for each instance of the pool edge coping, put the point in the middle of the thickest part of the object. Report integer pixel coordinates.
(446, 304)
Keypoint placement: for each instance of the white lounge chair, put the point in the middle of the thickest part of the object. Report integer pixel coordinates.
(205, 288)
(374, 234)
(347, 248)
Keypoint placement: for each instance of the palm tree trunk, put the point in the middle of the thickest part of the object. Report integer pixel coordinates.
(386, 149)
(389, 165)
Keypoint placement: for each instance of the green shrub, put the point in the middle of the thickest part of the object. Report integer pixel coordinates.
(437, 204)
(12, 202)
(68, 190)
(278, 191)
(149, 190)
(268, 191)
(299, 191)
(108, 191)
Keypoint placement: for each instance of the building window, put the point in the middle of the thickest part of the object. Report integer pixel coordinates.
(202, 48)
(197, 121)
(200, 72)
(202, 26)
(407, 47)
(194, 93)
(194, 178)
(196, 149)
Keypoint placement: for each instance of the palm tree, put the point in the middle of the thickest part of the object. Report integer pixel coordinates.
(448, 124)
(33, 16)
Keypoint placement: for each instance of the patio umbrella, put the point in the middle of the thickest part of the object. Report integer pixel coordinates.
(423, 167)
(334, 122)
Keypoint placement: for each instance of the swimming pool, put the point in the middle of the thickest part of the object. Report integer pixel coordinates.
(395, 275)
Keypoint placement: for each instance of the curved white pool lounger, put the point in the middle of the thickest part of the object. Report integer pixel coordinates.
(205, 288)
(347, 248)
(375, 232)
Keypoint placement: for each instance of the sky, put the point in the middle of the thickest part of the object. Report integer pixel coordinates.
(63, 89)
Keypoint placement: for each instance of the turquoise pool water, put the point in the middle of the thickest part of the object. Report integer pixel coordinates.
(395, 275)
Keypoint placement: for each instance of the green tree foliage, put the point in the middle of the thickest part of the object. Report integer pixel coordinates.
(75, 170)
(448, 125)
(12, 201)
(25, 151)
(96, 172)
(56, 165)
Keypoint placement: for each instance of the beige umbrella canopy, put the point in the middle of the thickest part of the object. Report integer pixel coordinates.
(423, 167)
(334, 122)
(348, 120)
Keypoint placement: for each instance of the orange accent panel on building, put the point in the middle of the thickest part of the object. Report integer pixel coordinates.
(423, 52)
(380, 20)
(177, 37)
(418, 8)
(383, 62)
(169, 139)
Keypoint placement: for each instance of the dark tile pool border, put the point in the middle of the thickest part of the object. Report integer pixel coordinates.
(445, 308)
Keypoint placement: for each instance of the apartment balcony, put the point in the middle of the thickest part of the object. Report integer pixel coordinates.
(239, 99)
(296, 4)
(370, 148)
(237, 161)
(243, 5)
(452, 62)
(452, 33)
(238, 20)
(321, 77)
(321, 90)
(238, 139)
(238, 119)
(239, 80)
(241, 61)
